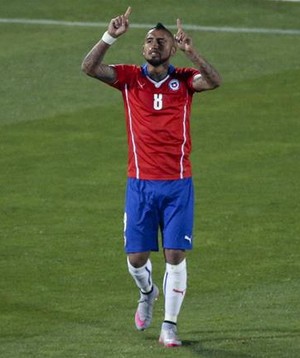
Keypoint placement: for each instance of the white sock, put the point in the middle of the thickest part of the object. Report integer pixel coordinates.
(175, 283)
(142, 276)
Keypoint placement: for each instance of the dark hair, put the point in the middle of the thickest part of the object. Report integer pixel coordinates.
(160, 26)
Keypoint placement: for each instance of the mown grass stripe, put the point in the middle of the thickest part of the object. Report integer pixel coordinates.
(147, 26)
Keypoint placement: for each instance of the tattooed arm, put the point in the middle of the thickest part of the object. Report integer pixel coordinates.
(92, 64)
(210, 77)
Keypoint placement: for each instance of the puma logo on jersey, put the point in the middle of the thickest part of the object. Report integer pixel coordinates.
(141, 84)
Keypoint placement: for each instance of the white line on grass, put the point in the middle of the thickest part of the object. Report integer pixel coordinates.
(147, 26)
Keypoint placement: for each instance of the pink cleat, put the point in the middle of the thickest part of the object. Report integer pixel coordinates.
(168, 336)
(143, 314)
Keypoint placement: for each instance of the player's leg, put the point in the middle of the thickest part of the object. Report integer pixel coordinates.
(140, 234)
(177, 237)
(175, 284)
(140, 268)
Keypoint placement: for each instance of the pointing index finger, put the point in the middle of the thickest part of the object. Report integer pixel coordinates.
(128, 12)
(179, 25)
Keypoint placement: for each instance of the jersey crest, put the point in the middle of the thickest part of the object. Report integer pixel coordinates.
(174, 85)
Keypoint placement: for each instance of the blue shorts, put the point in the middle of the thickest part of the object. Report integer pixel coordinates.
(158, 205)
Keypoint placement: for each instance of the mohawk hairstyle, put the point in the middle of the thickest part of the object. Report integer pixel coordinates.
(160, 26)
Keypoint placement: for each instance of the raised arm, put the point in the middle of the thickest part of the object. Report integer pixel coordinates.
(92, 64)
(210, 77)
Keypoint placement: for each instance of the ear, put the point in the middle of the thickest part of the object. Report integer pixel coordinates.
(173, 50)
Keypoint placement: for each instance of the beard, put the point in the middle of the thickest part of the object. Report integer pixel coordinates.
(157, 61)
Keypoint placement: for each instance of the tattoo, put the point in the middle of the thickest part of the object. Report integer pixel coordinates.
(210, 78)
(92, 64)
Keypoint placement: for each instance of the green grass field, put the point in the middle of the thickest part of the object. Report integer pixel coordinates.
(64, 286)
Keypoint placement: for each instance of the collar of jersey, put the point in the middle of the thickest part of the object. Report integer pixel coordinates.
(145, 72)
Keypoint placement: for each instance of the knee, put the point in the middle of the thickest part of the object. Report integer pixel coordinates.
(174, 257)
(138, 259)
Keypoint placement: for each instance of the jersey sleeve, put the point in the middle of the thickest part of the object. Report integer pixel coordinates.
(124, 75)
(189, 74)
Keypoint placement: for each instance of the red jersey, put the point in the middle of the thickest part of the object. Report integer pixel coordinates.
(157, 121)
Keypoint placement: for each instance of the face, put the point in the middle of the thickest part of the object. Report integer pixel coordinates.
(158, 47)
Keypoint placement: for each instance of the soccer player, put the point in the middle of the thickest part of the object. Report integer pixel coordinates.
(159, 195)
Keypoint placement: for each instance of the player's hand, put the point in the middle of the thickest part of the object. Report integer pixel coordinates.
(119, 25)
(183, 41)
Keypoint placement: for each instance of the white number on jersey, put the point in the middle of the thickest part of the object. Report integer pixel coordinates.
(158, 101)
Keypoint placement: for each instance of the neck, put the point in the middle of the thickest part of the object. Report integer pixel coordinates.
(157, 73)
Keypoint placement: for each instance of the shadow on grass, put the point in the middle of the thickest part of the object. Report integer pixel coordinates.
(198, 348)
(250, 335)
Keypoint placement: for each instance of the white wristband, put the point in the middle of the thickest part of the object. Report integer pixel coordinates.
(108, 39)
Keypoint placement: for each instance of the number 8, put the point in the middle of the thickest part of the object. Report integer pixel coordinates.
(157, 101)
